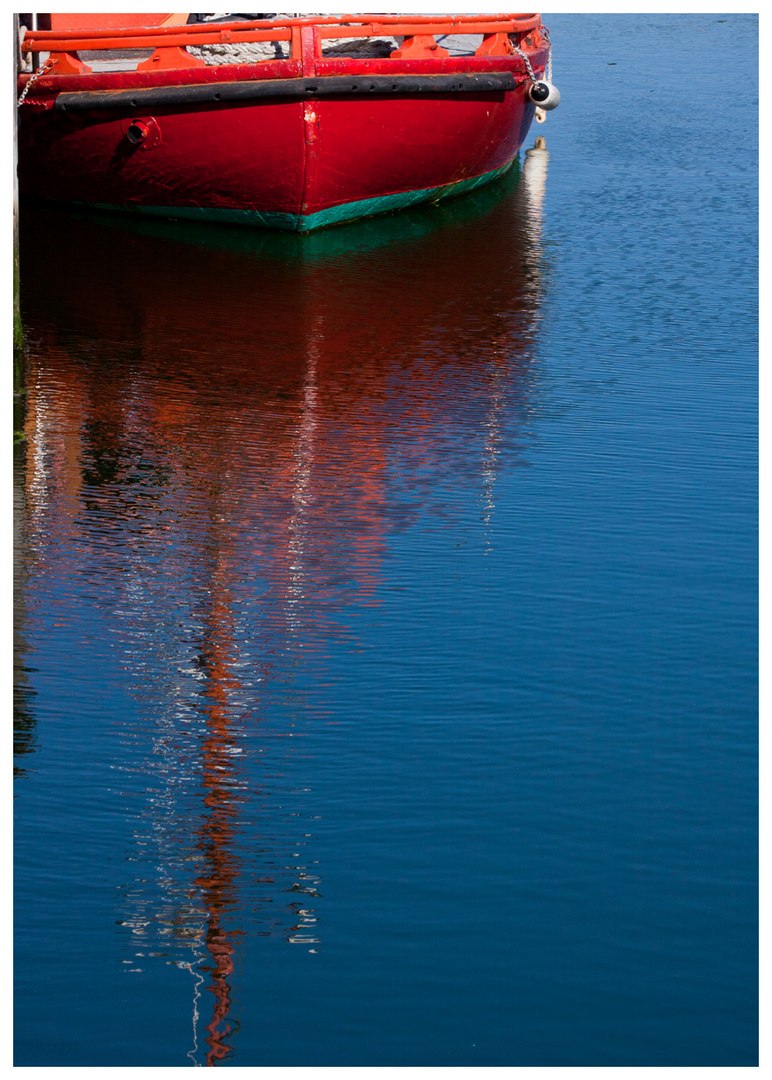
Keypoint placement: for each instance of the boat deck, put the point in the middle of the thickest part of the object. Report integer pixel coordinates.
(128, 59)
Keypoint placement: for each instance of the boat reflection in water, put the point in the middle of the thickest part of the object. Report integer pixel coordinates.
(222, 428)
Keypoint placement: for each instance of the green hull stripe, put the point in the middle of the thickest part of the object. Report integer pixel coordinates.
(308, 222)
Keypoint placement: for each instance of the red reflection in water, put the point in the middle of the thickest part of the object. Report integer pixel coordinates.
(208, 407)
(216, 833)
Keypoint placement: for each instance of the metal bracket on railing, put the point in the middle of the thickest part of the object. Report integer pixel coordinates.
(167, 59)
(420, 45)
(495, 45)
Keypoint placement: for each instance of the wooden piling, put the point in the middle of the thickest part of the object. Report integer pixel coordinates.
(18, 337)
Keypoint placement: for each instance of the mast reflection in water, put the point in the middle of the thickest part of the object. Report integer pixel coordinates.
(222, 427)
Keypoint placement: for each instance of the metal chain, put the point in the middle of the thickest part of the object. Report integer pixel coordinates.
(546, 35)
(40, 71)
(520, 52)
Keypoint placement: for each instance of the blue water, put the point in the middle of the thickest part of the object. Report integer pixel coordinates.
(386, 608)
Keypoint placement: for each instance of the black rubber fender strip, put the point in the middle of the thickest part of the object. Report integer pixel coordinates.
(304, 89)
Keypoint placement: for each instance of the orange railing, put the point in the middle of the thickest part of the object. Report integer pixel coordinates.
(417, 30)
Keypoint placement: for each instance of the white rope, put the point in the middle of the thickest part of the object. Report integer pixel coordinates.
(255, 51)
(247, 52)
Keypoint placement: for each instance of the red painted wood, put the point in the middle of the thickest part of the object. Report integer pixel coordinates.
(131, 80)
(429, 66)
(179, 36)
(255, 156)
(356, 26)
(237, 157)
(408, 145)
(272, 155)
(282, 69)
(98, 21)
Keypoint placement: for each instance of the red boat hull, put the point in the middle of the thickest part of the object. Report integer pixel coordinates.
(284, 160)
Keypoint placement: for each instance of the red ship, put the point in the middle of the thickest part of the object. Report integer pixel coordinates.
(330, 119)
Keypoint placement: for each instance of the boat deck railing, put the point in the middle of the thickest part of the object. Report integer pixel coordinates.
(302, 39)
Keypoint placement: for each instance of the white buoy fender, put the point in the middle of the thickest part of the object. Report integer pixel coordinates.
(545, 95)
